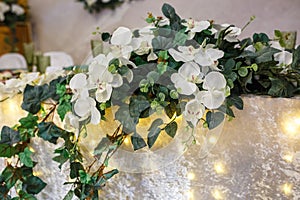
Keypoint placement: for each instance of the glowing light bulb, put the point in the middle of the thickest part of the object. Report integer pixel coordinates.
(287, 188)
(190, 195)
(212, 140)
(219, 167)
(126, 141)
(288, 157)
(217, 194)
(191, 176)
(291, 124)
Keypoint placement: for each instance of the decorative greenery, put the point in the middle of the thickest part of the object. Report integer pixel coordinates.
(174, 66)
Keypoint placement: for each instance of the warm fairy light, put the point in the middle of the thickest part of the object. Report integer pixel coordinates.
(217, 194)
(288, 157)
(219, 167)
(191, 176)
(291, 124)
(37, 173)
(212, 140)
(287, 188)
(190, 195)
(31, 149)
(126, 141)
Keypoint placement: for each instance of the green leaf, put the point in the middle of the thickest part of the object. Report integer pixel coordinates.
(8, 151)
(25, 196)
(243, 71)
(33, 185)
(154, 132)
(10, 176)
(260, 37)
(280, 88)
(180, 39)
(137, 105)
(75, 168)
(9, 136)
(170, 13)
(69, 195)
(124, 117)
(63, 108)
(25, 157)
(33, 96)
(214, 119)
(137, 141)
(30, 121)
(49, 131)
(105, 36)
(110, 174)
(170, 109)
(237, 102)
(230, 64)
(171, 129)
(265, 55)
(62, 157)
(102, 147)
(296, 59)
(84, 177)
(162, 67)
(162, 43)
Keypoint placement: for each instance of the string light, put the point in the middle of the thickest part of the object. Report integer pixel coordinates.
(219, 167)
(190, 195)
(287, 188)
(288, 157)
(291, 124)
(191, 176)
(217, 194)
(126, 141)
(212, 140)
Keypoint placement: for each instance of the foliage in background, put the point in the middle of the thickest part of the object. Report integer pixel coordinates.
(174, 66)
(95, 6)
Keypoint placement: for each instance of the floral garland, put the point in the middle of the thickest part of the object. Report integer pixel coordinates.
(180, 67)
(95, 6)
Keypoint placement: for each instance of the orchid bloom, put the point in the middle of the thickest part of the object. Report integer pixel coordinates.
(123, 43)
(208, 57)
(193, 111)
(231, 33)
(193, 27)
(85, 107)
(101, 79)
(3, 9)
(188, 76)
(284, 58)
(18, 10)
(205, 56)
(215, 85)
(78, 85)
(90, 2)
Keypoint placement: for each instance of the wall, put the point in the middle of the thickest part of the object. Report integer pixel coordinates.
(65, 25)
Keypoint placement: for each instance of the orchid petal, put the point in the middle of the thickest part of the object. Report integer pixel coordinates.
(78, 81)
(82, 107)
(214, 80)
(178, 56)
(104, 95)
(117, 80)
(121, 36)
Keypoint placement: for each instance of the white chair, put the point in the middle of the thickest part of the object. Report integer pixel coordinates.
(12, 61)
(59, 59)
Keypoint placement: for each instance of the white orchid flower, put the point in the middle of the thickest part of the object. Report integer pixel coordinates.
(85, 107)
(185, 54)
(188, 76)
(215, 84)
(18, 10)
(193, 27)
(193, 111)
(231, 33)
(208, 57)
(90, 2)
(101, 79)
(78, 85)
(123, 43)
(284, 58)
(3, 9)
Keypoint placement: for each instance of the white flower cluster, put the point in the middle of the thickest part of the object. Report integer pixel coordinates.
(200, 66)
(14, 8)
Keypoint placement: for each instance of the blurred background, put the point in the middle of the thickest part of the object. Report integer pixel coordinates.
(64, 25)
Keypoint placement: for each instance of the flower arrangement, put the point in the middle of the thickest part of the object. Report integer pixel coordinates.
(180, 67)
(11, 12)
(95, 6)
